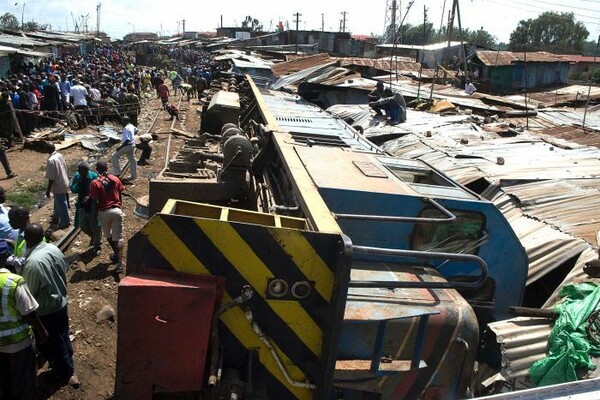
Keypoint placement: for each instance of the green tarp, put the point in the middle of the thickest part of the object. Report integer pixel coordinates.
(569, 347)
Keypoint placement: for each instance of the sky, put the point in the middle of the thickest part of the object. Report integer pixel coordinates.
(117, 18)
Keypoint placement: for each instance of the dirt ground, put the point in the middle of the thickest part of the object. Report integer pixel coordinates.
(93, 285)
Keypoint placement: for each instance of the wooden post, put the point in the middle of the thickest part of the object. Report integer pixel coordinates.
(15, 119)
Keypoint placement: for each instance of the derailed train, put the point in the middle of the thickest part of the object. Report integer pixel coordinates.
(331, 271)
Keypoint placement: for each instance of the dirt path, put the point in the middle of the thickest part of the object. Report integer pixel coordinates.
(92, 282)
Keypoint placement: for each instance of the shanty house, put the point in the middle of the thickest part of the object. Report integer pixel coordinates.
(429, 55)
(580, 66)
(507, 72)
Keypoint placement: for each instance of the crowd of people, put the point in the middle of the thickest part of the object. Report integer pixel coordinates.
(34, 315)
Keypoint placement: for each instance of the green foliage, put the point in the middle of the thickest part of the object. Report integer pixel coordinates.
(252, 23)
(552, 32)
(26, 195)
(595, 76)
(34, 26)
(419, 34)
(9, 22)
(409, 34)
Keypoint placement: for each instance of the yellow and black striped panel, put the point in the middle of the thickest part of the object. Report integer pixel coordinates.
(303, 331)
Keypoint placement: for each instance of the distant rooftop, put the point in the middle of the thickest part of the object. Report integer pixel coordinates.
(434, 46)
(498, 58)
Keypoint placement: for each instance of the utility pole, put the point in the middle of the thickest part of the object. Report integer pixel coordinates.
(344, 13)
(98, 10)
(297, 15)
(322, 22)
(587, 102)
(424, 43)
(525, 38)
(183, 29)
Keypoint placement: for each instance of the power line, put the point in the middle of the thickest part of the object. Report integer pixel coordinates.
(518, 5)
(562, 5)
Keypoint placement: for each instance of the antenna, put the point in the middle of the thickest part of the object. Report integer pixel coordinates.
(297, 15)
(344, 13)
(392, 16)
(98, 10)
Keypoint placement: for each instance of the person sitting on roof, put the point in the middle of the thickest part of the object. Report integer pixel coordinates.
(375, 95)
(394, 106)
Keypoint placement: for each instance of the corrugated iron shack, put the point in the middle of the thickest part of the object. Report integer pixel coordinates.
(505, 72)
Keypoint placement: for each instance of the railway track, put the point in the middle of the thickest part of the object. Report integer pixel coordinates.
(66, 240)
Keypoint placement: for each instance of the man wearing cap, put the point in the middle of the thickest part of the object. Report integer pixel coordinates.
(126, 148)
(106, 192)
(58, 184)
(17, 316)
(85, 215)
(45, 271)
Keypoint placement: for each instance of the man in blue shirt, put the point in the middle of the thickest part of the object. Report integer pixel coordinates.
(6, 231)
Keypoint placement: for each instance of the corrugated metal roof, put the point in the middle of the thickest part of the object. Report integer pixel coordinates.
(18, 41)
(403, 63)
(499, 58)
(292, 79)
(576, 58)
(5, 50)
(524, 340)
(434, 46)
(300, 64)
(564, 95)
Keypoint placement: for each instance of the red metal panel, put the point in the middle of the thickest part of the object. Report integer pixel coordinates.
(163, 333)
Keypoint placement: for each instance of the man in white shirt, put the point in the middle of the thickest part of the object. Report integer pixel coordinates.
(79, 96)
(58, 185)
(127, 147)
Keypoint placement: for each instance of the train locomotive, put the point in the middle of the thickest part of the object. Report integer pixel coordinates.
(334, 271)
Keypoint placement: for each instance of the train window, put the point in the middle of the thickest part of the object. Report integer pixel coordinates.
(419, 175)
(464, 235)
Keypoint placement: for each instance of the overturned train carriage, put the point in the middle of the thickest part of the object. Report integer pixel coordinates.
(347, 274)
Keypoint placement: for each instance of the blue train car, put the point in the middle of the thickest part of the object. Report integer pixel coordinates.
(342, 273)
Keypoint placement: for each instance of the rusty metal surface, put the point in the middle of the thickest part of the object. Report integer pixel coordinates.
(382, 63)
(564, 95)
(296, 77)
(574, 135)
(523, 340)
(299, 64)
(499, 58)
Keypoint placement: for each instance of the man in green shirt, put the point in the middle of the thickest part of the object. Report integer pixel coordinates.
(45, 271)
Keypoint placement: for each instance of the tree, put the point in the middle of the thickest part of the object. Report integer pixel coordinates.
(34, 26)
(552, 32)
(252, 23)
(414, 34)
(481, 38)
(9, 22)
